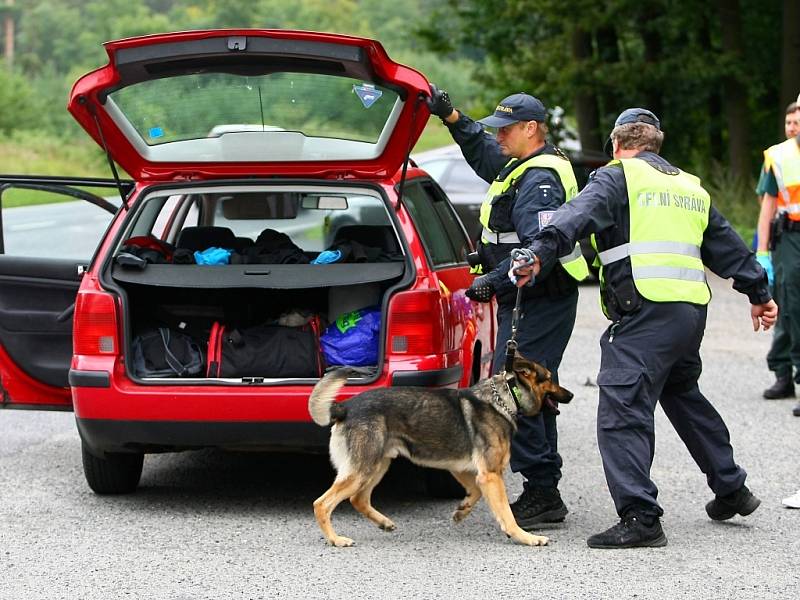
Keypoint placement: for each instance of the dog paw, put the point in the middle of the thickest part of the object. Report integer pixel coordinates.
(461, 513)
(342, 542)
(388, 526)
(536, 540)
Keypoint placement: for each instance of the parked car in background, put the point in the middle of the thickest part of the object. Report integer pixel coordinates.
(197, 321)
(466, 190)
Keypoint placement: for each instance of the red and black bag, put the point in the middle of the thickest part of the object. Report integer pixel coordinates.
(265, 351)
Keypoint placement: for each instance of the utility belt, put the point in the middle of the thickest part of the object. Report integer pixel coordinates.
(781, 224)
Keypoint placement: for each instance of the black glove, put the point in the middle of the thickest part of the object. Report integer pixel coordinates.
(481, 289)
(439, 103)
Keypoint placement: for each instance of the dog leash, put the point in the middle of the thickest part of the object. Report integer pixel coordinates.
(527, 258)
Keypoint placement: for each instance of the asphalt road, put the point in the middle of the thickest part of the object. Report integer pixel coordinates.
(215, 525)
(64, 230)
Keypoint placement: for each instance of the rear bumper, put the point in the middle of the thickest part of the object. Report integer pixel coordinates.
(105, 435)
(115, 414)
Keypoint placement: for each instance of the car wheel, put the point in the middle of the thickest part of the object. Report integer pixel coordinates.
(441, 484)
(117, 473)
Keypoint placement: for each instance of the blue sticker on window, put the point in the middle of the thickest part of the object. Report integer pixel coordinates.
(367, 94)
(156, 132)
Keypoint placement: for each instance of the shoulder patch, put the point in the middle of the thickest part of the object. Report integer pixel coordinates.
(545, 216)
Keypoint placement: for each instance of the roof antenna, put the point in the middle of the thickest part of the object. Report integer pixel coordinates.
(93, 112)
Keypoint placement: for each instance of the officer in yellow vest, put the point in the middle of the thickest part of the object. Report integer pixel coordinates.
(655, 230)
(778, 223)
(529, 180)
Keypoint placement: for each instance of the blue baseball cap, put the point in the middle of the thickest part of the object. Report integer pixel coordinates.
(516, 107)
(632, 115)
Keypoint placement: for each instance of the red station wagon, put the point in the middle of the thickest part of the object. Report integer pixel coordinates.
(237, 139)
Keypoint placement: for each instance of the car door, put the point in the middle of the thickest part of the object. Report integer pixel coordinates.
(447, 245)
(49, 229)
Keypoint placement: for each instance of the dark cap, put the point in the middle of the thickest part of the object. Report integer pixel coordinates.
(632, 115)
(516, 107)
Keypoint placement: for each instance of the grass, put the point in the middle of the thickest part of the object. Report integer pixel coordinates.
(735, 198)
(33, 153)
(435, 135)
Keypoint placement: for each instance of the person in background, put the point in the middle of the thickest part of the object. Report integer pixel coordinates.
(779, 360)
(655, 231)
(529, 180)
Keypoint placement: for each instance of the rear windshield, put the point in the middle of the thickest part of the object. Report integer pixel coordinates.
(220, 117)
(311, 220)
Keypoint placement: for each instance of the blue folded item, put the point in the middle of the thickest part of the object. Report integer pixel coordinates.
(353, 338)
(327, 256)
(213, 256)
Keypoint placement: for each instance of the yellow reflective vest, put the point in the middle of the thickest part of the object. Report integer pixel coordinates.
(668, 216)
(573, 263)
(784, 160)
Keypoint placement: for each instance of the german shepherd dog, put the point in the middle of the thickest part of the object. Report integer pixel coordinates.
(465, 431)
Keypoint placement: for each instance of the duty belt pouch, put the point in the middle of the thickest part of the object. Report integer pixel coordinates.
(623, 298)
(265, 351)
(500, 220)
(776, 228)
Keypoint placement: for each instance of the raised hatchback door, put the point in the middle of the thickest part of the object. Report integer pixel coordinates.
(49, 228)
(252, 102)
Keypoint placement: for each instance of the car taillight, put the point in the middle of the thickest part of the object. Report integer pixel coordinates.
(416, 323)
(95, 324)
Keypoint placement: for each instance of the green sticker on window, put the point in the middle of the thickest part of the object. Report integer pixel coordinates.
(348, 321)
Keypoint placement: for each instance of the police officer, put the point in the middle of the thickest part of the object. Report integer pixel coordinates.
(655, 229)
(529, 180)
(782, 196)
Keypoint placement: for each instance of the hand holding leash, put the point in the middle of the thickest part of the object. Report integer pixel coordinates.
(525, 265)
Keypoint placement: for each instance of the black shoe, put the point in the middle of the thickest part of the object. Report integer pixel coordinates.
(796, 410)
(782, 388)
(741, 502)
(537, 505)
(630, 532)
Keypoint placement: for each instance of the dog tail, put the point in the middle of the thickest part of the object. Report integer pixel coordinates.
(323, 395)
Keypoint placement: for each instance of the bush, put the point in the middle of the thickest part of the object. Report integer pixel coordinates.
(735, 198)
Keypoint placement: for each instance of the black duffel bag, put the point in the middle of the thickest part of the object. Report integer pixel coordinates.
(163, 352)
(264, 351)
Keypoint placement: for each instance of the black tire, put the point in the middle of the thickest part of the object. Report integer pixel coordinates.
(441, 484)
(117, 473)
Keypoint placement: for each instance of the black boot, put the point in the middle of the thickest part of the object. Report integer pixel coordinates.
(630, 532)
(796, 410)
(741, 502)
(537, 505)
(782, 388)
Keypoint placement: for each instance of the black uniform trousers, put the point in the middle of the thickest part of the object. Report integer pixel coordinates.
(542, 334)
(785, 350)
(654, 355)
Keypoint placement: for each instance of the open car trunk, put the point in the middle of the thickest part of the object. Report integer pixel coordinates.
(250, 335)
(240, 282)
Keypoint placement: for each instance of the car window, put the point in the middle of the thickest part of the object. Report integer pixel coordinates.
(311, 219)
(53, 224)
(440, 232)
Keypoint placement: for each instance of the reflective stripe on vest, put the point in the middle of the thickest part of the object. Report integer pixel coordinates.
(784, 160)
(668, 216)
(509, 237)
(573, 263)
(624, 250)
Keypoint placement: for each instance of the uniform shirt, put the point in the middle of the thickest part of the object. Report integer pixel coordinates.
(602, 208)
(767, 184)
(539, 189)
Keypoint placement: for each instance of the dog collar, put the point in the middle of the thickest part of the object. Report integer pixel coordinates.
(498, 401)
